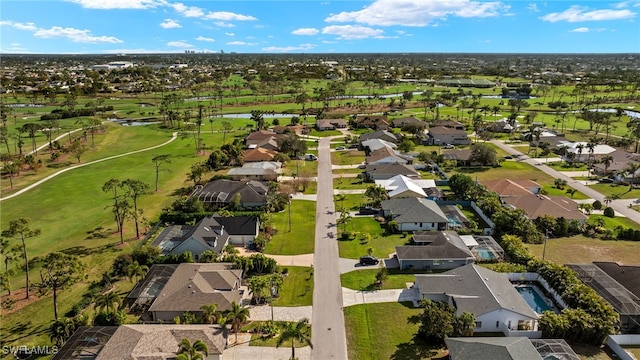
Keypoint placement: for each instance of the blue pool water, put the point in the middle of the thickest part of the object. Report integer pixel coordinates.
(486, 254)
(534, 299)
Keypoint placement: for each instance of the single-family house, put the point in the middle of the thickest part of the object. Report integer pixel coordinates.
(490, 296)
(401, 186)
(170, 290)
(379, 134)
(386, 171)
(620, 160)
(413, 214)
(451, 124)
(434, 250)
(258, 154)
(222, 192)
(269, 144)
(376, 122)
(509, 348)
(141, 341)
(257, 137)
(462, 157)
(260, 170)
(410, 122)
(375, 144)
(504, 126)
(331, 124)
(617, 284)
(440, 135)
(579, 152)
(537, 205)
(508, 187)
(386, 155)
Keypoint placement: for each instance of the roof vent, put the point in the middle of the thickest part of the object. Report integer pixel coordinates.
(206, 228)
(193, 291)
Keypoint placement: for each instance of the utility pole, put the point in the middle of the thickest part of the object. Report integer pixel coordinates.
(289, 213)
(546, 238)
(271, 297)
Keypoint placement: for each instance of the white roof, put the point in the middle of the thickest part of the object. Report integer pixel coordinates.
(400, 184)
(600, 149)
(375, 144)
(469, 241)
(275, 165)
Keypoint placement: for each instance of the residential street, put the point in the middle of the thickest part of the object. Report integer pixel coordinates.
(328, 332)
(620, 206)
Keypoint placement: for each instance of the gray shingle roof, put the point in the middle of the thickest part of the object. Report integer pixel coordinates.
(476, 290)
(443, 245)
(494, 348)
(414, 210)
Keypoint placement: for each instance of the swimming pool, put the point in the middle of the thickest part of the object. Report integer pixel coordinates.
(534, 299)
(486, 254)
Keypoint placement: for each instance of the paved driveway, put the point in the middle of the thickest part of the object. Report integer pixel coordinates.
(280, 313)
(353, 297)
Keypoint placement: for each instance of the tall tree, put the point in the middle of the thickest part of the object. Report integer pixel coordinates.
(58, 272)
(20, 229)
(158, 161)
(109, 302)
(295, 331)
(632, 170)
(121, 207)
(136, 188)
(236, 316)
(9, 254)
(137, 271)
(210, 313)
(258, 118)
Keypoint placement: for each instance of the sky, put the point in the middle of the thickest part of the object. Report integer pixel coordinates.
(307, 26)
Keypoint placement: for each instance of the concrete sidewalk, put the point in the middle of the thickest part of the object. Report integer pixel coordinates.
(280, 313)
(353, 297)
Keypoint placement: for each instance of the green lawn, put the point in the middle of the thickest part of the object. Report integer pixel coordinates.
(258, 340)
(386, 331)
(300, 240)
(350, 183)
(563, 166)
(364, 279)
(382, 245)
(301, 167)
(616, 189)
(509, 170)
(351, 202)
(298, 287)
(350, 157)
(325, 133)
(580, 249)
(553, 191)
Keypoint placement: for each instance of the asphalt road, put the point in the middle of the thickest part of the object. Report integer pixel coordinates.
(328, 333)
(620, 206)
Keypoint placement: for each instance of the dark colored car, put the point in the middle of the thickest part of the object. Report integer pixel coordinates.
(369, 260)
(354, 146)
(368, 210)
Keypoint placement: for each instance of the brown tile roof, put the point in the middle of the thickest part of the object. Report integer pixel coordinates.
(258, 154)
(260, 135)
(193, 285)
(508, 187)
(137, 341)
(441, 130)
(383, 153)
(457, 154)
(540, 205)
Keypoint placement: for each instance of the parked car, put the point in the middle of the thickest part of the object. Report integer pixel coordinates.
(448, 146)
(368, 210)
(354, 146)
(310, 157)
(340, 148)
(369, 260)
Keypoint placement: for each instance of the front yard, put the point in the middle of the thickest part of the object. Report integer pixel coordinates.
(300, 240)
(364, 280)
(347, 157)
(298, 287)
(382, 245)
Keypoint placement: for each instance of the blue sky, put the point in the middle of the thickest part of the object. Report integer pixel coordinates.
(305, 26)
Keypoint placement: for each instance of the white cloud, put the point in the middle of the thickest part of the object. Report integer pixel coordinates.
(228, 16)
(188, 11)
(241, 43)
(224, 24)
(417, 12)
(75, 35)
(301, 47)
(305, 31)
(230, 34)
(118, 4)
(170, 24)
(20, 26)
(202, 38)
(348, 32)
(578, 13)
(580, 30)
(533, 7)
(179, 44)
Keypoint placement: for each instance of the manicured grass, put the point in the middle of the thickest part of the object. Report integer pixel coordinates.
(300, 240)
(350, 183)
(616, 189)
(364, 279)
(346, 171)
(351, 202)
(301, 167)
(612, 223)
(298, 287)
(553, 191)
(509, 170)
(258, 340)
(350, 157)
(382, 245)
(325, 133)
(563, 166)
(579, 249)
(386, 331)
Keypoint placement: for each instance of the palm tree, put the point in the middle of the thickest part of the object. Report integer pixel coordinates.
(210, 313)
(236, 316)
(298, 331)
(465, 323)
(632, 169)
(137, 271)
(61, 330)
(580, 147)
(196, 351)
(109, 301)
(607, 160)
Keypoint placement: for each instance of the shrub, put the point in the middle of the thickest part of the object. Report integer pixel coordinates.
(597, 205)
(609, 212)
